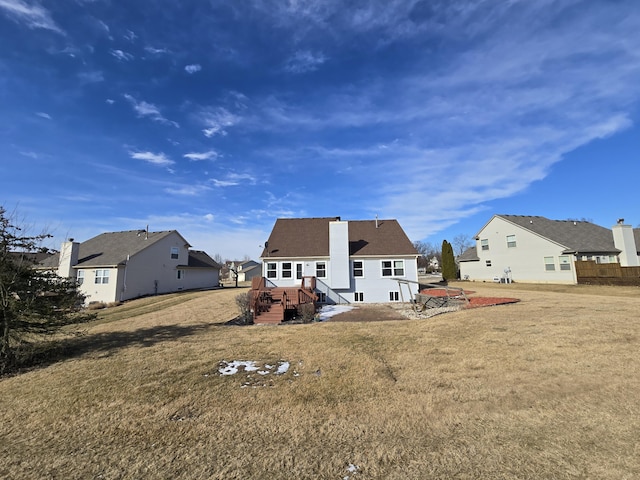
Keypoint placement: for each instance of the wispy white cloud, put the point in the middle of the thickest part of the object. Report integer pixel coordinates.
(217, 120)
(145, 109)
(43, 115)
(121, 55)
(304, 61)
(154, 158)
(233, 179)
(190, 190)
(193, 68)
(208, 155)
(155, 51)
(33, 14)
(130, 36)
(110, 101)
(29, 154)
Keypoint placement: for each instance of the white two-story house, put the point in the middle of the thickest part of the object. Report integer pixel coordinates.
(536, 249)
(117, 266)
(352, 261)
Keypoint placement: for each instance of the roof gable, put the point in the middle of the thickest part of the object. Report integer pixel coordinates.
(309, 237)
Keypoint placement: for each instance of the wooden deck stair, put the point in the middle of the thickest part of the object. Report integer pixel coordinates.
(271, 304)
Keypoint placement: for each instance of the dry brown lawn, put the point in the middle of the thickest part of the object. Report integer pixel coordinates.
(548, 388)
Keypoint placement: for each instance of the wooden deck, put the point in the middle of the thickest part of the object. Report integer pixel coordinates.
(272, 305)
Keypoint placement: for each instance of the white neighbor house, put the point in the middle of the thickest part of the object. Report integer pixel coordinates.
(352, 261)
(538, 250)
(118, 266)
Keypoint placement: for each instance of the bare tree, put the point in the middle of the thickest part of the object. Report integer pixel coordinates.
(461, 243)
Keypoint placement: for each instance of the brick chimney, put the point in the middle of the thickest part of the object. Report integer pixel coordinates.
(68, 258)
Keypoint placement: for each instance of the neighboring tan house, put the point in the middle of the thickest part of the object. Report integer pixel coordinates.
(118, 266)
(535, 249)
(350, 261)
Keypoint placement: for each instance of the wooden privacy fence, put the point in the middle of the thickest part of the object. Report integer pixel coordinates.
(589, 272)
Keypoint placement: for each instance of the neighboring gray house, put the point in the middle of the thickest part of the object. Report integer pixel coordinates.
(535, 249)
(247, 270)
(352, 261)
(118, 266)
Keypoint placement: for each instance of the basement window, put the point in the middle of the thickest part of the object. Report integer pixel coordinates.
(394, 296)
(358, 297)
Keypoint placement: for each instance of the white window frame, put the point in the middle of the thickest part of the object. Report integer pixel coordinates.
(549, 266)
(286, 272)
(484, 244)
(511, 241)
(271, 270)
(175, 253)
(392, 268)
(180, 274)
(565, 262)
(318, 269)
(358, 297)
(299, 271)
(80, 277)
(359, 269)
(394, 296)
(101, 277)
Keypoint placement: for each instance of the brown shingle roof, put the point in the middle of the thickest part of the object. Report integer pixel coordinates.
(309, 237)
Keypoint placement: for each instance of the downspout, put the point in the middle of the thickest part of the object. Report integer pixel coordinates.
(124, 280)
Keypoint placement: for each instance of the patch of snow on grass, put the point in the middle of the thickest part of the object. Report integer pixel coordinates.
(329, 311)
(231, 368)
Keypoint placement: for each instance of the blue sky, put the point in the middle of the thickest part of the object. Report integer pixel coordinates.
(217, 117)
